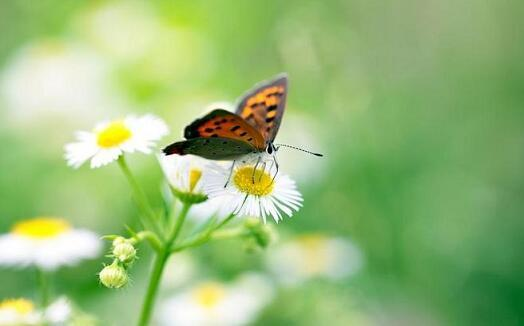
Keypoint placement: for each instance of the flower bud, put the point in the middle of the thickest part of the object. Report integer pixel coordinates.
(113, 276)
(124, 251)
(119, 240)
(261, 234)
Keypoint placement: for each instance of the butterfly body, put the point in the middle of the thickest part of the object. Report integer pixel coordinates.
(224, 135)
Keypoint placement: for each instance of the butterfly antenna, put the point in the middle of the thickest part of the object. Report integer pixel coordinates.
(299, 149)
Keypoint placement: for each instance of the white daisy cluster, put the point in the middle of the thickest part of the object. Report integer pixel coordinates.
(244, 189)
(251, 186)
(47, 243)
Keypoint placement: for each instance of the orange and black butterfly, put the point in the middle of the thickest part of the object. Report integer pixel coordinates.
(223, 135)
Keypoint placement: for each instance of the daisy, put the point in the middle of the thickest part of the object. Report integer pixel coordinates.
(314, 256)
(259, 192)
(22, 312)
(18, 312)
(216, 303)
(47, 243)
(110, 139)
(186, 177)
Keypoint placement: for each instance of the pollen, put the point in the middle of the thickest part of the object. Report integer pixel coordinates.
(209, 295)
(20, 306)
(194, 177)
(113, 135)
(253, 182)
(41, 227)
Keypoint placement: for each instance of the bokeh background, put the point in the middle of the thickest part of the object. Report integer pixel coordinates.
(417, 106)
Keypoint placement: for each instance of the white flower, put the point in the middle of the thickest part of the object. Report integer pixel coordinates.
(58, 312)
(110, 139)
(314, 255)
(259, 193)
(217, 304)
(18, 312)
(22, 312)
(184, 173)
(47, 243)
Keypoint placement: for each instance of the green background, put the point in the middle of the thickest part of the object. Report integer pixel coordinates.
(417, 106)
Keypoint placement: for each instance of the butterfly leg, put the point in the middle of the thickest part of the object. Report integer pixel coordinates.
(230, 173)
(263, 170)
(255, 170)
(276, 166)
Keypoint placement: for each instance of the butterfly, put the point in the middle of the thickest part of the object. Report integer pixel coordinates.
(224, 135)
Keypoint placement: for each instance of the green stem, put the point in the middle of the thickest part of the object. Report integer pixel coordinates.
(148, 215)
(158, 268)
(45, 287)
(203, 237)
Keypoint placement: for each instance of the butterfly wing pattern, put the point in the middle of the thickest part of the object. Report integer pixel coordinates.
(219, 135)
(212, 148)
(263, 106)
(223, 135)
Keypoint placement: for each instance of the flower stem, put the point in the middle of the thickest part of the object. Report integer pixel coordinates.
(203, 237)
(148, 215)
(158, 268)
(44, 287)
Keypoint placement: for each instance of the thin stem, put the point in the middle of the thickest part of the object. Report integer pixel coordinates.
(178, 225)
(158, 268)
(149, 222)
(44, 287)
(203, 237)
(229, 233)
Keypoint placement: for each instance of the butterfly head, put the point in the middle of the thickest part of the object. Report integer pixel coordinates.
(271, 149)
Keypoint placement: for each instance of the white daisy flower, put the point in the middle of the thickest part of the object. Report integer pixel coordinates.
(314, 255)
(22, 312)
(110, 139)
(185, 175)
(258, 193)
(47, 243)
(215, 303)
(18, 312)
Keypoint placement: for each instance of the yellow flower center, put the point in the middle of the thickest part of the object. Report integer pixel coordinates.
(194, 177)
(209, 295)
(41, 227)
(253, 182)
(113, 135)
(21, 306)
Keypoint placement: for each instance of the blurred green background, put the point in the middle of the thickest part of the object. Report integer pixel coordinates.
(417, 106)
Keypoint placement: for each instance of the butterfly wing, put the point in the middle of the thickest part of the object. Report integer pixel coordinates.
(263, 107)
(224, 124)
(213, 148)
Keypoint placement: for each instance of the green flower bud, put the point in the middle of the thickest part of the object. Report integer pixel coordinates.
(124, 251)
(119, 240)
(189, 197)
(113, 276)
(261, 234)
